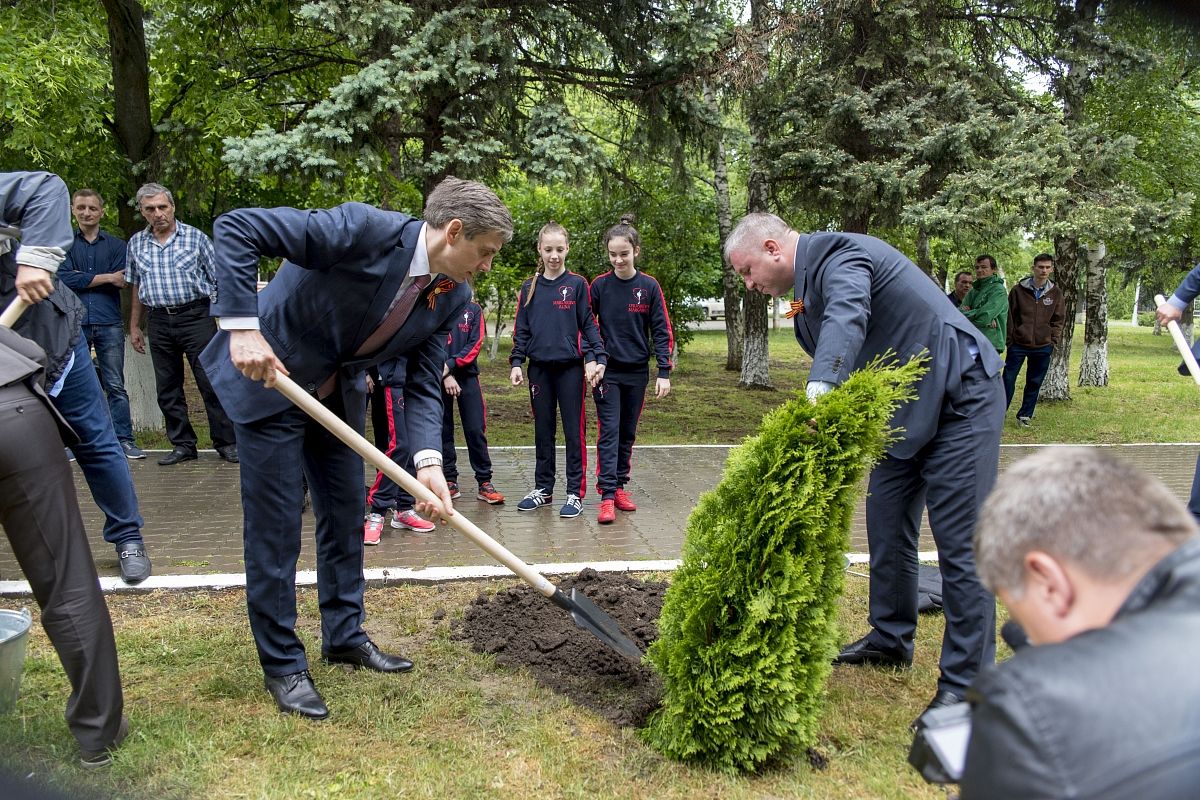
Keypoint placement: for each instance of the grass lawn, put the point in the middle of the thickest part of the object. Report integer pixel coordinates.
(1146, 401)
(461, 727)
(456, 727)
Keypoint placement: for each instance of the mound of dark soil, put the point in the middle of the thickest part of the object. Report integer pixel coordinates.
(524, 629)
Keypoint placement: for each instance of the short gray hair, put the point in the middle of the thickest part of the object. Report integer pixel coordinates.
(475, 205)
(752, 230)
(1079, 504)
(151, 190)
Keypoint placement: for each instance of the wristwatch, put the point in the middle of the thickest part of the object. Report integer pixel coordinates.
(428, 461)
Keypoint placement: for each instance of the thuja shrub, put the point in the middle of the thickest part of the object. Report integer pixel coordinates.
(747, 629)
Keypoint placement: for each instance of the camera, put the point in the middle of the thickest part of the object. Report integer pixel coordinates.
(939, 748)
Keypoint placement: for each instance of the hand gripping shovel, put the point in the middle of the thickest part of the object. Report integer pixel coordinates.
(585, 613)
(1181, 344)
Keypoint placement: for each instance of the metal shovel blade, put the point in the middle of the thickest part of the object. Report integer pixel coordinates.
(587, 615)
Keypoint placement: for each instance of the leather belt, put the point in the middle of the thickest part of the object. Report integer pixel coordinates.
(179, 309)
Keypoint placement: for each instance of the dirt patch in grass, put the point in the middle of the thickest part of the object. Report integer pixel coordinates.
(523, 629)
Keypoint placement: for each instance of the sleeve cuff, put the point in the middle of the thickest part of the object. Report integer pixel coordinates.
(47, 258)
(238, 323)
(1175, 302)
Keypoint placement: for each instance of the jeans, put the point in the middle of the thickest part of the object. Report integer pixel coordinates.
(1039, 364)
(98, 452)
(109, 343)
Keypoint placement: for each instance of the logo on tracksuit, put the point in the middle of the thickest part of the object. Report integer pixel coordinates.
(465, 325)
(566, 298)
(534, 390)
(639, 304)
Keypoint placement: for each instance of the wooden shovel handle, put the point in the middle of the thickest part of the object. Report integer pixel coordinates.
(1181, 344)
(13, 313)
(384, 464)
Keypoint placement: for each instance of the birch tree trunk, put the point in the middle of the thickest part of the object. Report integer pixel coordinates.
(143, 397)
(755, 371)
(1066, 270)
(1093, 366)
(729, 279)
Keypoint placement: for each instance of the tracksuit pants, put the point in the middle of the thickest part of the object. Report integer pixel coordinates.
(558, 387)
(472, 411)
(391, 436)
(619, 400)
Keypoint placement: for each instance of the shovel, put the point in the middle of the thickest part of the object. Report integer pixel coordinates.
(13, 313)
(583, 611)
(1181, 344)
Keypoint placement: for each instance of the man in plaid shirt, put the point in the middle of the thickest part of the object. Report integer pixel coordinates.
(171, 266)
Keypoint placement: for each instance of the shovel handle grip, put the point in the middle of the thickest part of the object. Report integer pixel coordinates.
(1181, 344)
(13, 313)
(374, 456)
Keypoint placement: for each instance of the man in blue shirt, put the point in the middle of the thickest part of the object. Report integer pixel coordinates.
(95, 270)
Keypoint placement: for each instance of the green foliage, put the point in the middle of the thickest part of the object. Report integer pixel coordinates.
(747, 628)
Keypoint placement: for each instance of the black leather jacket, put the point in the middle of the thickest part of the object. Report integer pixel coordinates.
(1110, 713)
(55, 324)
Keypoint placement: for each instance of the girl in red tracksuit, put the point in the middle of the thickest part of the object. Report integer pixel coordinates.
(633, 322)
(556, 332)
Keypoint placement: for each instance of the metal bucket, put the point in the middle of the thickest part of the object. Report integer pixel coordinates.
(14, 631)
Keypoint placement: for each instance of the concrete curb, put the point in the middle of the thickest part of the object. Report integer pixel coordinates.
(388, 575)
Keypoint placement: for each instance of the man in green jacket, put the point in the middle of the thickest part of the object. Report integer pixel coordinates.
(986, 305)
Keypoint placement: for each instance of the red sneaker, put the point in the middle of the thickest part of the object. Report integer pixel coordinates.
(372, 529)
(608, 512)
(624, 501)
(410, 519)
(455, 493)
(488, 494)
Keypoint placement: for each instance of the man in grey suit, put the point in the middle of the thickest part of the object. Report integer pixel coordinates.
(861, 298)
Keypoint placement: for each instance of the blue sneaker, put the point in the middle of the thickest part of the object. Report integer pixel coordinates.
(572, 508)
(534, 500)
(132, 451)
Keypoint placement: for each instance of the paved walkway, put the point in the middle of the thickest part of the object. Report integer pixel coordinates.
(193, 513)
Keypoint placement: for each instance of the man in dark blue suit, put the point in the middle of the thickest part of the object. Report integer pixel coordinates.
(350, 275)
(859, 298)
(1172, 311)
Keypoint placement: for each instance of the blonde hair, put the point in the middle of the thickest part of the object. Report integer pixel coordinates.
(550, 227)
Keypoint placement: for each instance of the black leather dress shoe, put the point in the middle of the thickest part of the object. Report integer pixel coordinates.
(229, 453)
(296, 694)
(943, 698)
(177, 455)
(368, 656)
(864, 651)
(135, 564)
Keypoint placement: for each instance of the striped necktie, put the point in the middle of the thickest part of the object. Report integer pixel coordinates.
(395, 318)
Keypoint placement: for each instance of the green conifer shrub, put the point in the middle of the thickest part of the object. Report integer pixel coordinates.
(747, 629)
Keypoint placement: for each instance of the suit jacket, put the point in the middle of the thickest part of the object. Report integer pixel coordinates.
(22, 361)
(343, 268)
(862, 298)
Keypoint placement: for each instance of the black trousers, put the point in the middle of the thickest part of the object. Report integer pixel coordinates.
(275, 452)
(951, 476)
(558, 388)
(175, 335)
(619, 399)
(40, 515)
(472, 412)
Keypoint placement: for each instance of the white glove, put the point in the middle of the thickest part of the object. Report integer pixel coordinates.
(815, 389)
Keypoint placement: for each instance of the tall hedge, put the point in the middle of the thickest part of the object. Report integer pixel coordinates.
(747, 629)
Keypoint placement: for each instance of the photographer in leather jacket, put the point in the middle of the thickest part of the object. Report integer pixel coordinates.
(1100, 563)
